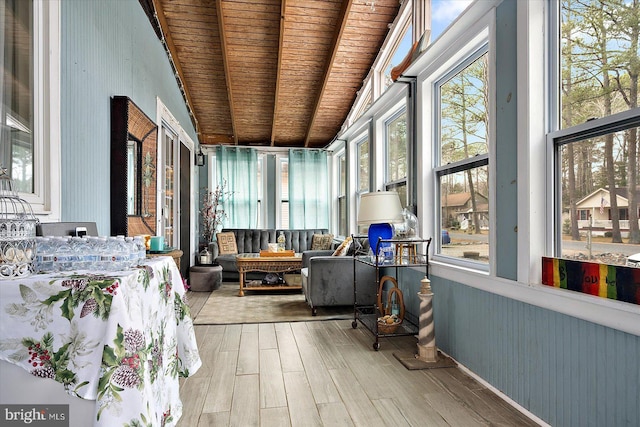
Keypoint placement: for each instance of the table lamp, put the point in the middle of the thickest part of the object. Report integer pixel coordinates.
(379, 210)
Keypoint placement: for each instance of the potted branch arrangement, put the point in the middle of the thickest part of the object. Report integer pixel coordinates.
(213, 215)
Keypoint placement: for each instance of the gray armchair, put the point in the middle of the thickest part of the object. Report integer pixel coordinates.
(328, 280)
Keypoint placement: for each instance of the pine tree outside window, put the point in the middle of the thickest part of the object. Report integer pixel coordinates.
(595, 130)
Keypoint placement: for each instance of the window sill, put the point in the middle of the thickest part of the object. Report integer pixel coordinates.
(618, 315)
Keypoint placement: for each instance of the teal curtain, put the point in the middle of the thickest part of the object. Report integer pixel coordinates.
(238, 167)
(308, 189)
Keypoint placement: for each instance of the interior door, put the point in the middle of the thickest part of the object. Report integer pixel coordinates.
(184, 217)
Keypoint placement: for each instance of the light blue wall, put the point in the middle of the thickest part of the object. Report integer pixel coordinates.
(506, 170)
(107, 48)
(566, 371)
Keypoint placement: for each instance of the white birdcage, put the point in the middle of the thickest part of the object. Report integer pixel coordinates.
(17, 232)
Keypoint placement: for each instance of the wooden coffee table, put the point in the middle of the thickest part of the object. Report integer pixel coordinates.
(254, 262)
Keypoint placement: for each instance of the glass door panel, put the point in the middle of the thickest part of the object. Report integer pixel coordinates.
(169, 201)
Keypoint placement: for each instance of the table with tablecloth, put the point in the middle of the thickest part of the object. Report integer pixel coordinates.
(120, 338)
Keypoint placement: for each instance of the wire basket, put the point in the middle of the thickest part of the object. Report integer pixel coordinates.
(17, 232)
(388, 328)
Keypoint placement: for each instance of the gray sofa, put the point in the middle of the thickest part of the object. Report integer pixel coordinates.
(328, 280)
(255, 240)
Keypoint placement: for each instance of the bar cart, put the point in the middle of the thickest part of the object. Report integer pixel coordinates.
(400, 253)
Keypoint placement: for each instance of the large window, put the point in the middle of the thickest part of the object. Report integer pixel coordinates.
(29, 99)
(597, 122)
(363, 174)
(401, 51)
(17, 93)
(462, 165)
(284, 192)
(261, 191)
(363, 165)
(396, 155)
(598, 59)
(596, 205)
(342, 195)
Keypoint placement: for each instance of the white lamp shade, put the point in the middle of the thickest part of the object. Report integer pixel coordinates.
(380, 207)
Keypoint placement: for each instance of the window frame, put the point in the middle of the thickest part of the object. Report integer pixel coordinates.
(398, 30)
(541, 165)
(360, 142)
(558, 136)
(47, 150)
(280, 160)
(556, 139)
(389, 184)
(262, 190)
(342, 181)
(474, 52)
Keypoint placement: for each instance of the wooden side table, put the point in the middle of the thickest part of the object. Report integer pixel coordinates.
(176, 254)
(411, 248)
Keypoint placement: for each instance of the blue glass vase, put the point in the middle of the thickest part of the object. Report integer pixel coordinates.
(380, 231)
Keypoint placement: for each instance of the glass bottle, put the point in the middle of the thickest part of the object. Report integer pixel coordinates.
(281, 242)
(103, 249)
(82, 253)
(63, 258)
(141, 247)
(121, 252)
(44, 255)
(133, 251)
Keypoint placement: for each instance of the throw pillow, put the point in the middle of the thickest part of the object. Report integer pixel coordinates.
(356, 247)
(343, 248)
(321, 242)
(227, 243)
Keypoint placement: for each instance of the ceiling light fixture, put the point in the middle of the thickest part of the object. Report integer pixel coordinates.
(200, 157)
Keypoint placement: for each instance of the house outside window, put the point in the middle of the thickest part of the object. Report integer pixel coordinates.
(396, 155)
(602, 217)
(462, 168)
(596, 131)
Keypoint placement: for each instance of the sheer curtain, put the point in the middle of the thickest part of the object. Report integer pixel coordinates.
(308, 189)
(238, 167)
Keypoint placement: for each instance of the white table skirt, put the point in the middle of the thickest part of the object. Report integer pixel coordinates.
(119, 340)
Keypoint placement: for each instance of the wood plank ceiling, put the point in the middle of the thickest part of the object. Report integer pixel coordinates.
(279, 73)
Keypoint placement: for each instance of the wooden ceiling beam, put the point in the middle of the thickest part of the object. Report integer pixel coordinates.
(216, 139)
(346, 8)
(277, 93)
(173, 52)
(225, 56)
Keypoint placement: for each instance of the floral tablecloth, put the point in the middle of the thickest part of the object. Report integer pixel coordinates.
(120, 338)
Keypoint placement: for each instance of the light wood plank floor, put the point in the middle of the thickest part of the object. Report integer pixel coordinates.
(325, 373)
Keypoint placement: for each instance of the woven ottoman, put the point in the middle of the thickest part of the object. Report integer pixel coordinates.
(205, 278)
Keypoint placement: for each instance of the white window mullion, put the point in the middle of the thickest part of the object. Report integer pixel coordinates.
(46, 198)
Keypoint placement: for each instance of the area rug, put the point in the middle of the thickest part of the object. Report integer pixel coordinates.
(224, 307)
